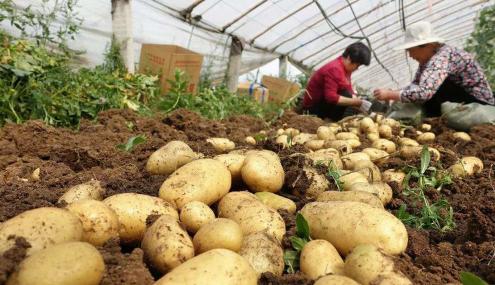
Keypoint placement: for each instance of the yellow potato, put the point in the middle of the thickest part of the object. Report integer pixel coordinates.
(250, 140)
(409, 152)
(425, 127)
(302, 138)
(284, 141)
(390, 122)
(335, 280)
(196, 214)
(263, 252)
(219, 233)
(291, 132)
(392, 278)
(214, 267)
(319, 258)
(356, 196)
(385, 131)
(42, 228)
(427, 137)
(133, 209)
(377, 155)
(88, 190)
(461, 136)
(391, 175)
(354, 143)
(204, 180)
(74, 263)
(233, 162)
(349, 159)
(373, 136)
(276, 202)
(381, 189)
(348, 224)
(326, 156)
(349, 178)
(315, 144)
(467, 166)
(408, 142)
(318, 183)
(100, 223)
(384, 144)
(369, 169)
(251, 214)
(367, 124)
(221, 144)
(325, 133)
(262, 171)
(170, 157)
(346, 136)
(166, 244)
(343, 146)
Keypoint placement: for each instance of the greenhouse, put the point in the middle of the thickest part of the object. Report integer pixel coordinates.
(216, 142)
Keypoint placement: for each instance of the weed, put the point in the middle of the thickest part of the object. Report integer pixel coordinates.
(291, 257)
(468, 278)
(131, 143)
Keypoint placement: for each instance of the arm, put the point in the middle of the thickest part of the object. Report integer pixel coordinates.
(332, 83)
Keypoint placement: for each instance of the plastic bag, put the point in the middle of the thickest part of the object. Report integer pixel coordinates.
(464, 116)
(408, 112)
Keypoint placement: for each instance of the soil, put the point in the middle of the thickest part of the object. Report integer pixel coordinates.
(67, 157)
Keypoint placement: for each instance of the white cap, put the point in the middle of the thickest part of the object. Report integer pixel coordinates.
(417, 34)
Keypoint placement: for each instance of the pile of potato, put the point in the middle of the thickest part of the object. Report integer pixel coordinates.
(206, 234)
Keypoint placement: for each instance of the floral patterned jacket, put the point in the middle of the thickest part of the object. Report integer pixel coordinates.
(455, 64)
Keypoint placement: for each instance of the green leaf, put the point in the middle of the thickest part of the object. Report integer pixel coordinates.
(468, 278)
(131, 143)
(425, 159)
(298, 243)
(302, 227)
(291, 260)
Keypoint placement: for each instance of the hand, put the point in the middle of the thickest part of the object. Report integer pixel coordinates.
(385, 94)
(365, 106)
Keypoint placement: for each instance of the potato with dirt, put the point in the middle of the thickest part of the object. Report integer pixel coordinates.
(466, 166)
(196, 214)
(348, 178)
(325, 133)
(369, 169)
(315, 144)
(251, 214)
(319, 258)
(214, 267)
(204, 180)
(221, 145)
(425, 138)
(356, 196)
(384, 144)
(169, 158)
(166, 244)
(348, 224)
(318, 183)
(276, 202)
(89, 190)
(132, 211)
(410, 152)
(74, 263)
(381, 189)
(263, 252)
(344, 146)
(219, 233)
(42, 228)
(377, 155)
(335, 280)
(233, 162)
(100, 223)
(349, 159)
(392, 175)
(326, 156)
(262, 171)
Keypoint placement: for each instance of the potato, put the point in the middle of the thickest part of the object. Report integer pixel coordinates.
(318, 183)
(354, 143)
(263, 252)
(291, 132)
(349, 178)
(367, 124)
(408, 142)
(302, 138)
(377, 117)
(326, 156)
(196, 214)
(100, 223)
(42, 228)
(461, 136)
(356, 196)
(346, 136)
(221, 144)
(75, 263)
(276, 202)
(380, 189)
(315, 144)
(425, 127)
(349, 159)
(335, 280)
(373, 136)
(170, 157)
(348, 224)
(325, 133)
(319, 258)
(369, 265)
(250, 140)
(376, 155)
(133, 209)
(233, 162)
(467, 166)
(284, 141)
(384, 144)
(391, 175)
(251, 214)
(427, 137)
(280, 132)
(214, 267)
(390, 122)
(204, 180)
(262, 171)
(369, 169)
(409, 152)
(219, 233)
(89, 190)
(385, 131)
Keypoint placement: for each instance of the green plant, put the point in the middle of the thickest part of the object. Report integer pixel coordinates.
(291, 256)
(132, 142)
(468, 278)
(437, 215)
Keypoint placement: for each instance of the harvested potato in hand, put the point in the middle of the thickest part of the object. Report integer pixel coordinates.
(221, 145)
(319, 258)
(196, 214)
(263, 252)
(219, 233)
(262, 171)
(88, 190)
(170, 157)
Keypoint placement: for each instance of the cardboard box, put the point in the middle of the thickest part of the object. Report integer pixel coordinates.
(280, 89)
(164, 59)
(258, 92)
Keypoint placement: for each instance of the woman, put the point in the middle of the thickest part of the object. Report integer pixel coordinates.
(329, 90)
(445, 73)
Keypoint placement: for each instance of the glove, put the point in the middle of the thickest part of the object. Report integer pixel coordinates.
(365, 106)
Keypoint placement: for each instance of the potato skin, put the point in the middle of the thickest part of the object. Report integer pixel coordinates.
(262, 171)
(276, 202)
(263, 252)
(381, 189)
(75, 263)
(356, 196)
(233, 162)
(42, 228)
(166, 244)
(196, 214)
(221, 144)
(355, 223)
(217, 266)
(100, 222)
(205, 180)
(219, 233)
(467, 166)
(335, 280)
(319, 258)
(89, 190)
(133, 209)
(251, 214)
(170, 157)
(384, 144)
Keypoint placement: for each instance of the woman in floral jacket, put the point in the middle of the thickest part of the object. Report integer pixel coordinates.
(445, 73)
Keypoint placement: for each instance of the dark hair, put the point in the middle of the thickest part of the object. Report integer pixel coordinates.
(358, 53)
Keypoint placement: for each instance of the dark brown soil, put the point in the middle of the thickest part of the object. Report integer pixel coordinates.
(66, 158)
